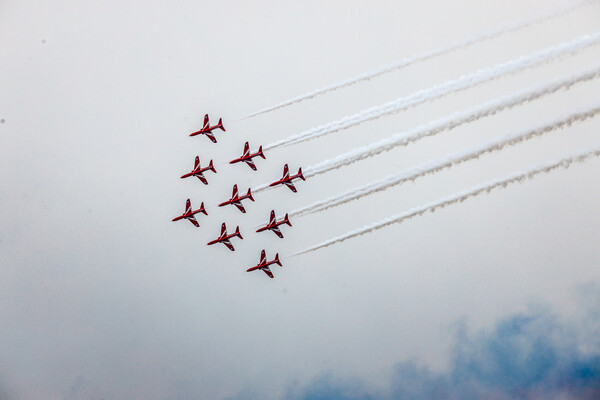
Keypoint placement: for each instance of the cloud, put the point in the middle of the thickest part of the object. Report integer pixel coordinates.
(326, 387)
(527, 356)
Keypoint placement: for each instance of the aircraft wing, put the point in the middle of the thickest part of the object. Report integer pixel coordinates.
(211, 136)
(197, 164)
(202, 179)
(246, 150)
(286, 172)
(234, 195)
(277, 231)
(205, 121)
(192, 219)
(250, 164)
(263, 258)
(227, 243)
(188, 206)
(272, 219)
(291, 186)
(240, 207)
(223, 231)
(268, 272)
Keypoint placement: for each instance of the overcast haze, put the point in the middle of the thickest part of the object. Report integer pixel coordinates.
(103, 297)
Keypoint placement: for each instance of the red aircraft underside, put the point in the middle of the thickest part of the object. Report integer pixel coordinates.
(237, 200)
(189, 214)
(287, 179)
(199, 172)
(247, 157)
(207, 129)
(224, 237)
(264, 264)
(273, 225)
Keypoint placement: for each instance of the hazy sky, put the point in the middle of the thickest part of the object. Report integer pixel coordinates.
(103, 297)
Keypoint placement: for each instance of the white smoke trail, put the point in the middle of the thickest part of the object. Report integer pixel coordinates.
(447, 123)
(463, 82)
(450, 122)
(446, 162)
(459, 197)
(405, 62)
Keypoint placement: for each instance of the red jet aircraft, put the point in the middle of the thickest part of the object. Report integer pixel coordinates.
(224, 237)
(264, 264)
(207, 129)
(247, 157)
(273, 225)
(189, 214)
(199, 172)
(287, 179)
(236, 200)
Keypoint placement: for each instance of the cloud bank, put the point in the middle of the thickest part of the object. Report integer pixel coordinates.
(527, 356)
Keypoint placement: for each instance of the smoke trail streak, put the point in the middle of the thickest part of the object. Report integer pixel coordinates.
(461, 83)
(405, 62)
(459, 197)
(447, 123)
(452, 121)
(446, 162)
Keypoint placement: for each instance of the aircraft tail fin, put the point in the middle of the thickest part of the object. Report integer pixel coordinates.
(237, 232)
(276, 259)
(202, 209)
(212, 167)
(250, 195)
(221, 124)
(287, 220)
(300, 174)
(260, 152)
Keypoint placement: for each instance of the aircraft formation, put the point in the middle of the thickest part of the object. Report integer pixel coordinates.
(236, 199)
